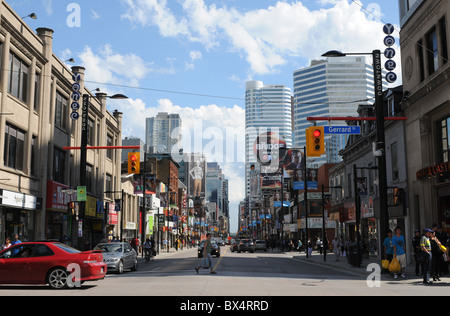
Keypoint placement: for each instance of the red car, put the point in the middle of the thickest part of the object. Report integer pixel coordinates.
(52, 263)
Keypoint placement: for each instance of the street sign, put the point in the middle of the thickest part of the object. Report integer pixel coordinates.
(81, 193)
(348, 130)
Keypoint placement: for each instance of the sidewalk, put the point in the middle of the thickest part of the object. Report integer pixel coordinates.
(343, 265)
(163, 253)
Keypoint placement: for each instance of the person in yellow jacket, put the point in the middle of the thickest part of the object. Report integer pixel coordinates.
(425, 246)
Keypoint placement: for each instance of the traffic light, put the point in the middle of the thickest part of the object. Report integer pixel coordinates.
(134, 160)
(315, 141)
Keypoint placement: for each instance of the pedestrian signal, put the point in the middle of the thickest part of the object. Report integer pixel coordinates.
(398, 194)
(315, 141)
(134, 163)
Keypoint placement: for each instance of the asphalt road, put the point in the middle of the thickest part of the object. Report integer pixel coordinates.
(246, 274)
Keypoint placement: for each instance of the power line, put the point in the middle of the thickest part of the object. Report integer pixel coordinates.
(165, 91)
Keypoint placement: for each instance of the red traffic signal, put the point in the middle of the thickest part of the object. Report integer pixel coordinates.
(315, 142)
(317, 133)
(134, 162)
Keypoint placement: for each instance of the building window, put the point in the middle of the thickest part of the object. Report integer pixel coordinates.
(18, 78)
(109, 142)
(14, 147)
(59, 164)
(432, 51)
(91, 132)
(443, 29)
(108, 185)
(61, 111)
(37, 91)
(444, 146)
(34, 144)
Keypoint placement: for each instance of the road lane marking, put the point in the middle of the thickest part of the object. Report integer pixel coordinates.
(221, 257)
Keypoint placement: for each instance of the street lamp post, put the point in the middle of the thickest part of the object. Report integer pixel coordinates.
(380, 136)
(83, 155)
(121, 210)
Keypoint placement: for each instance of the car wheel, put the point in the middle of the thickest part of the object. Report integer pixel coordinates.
(135, 266)
(57, 278)
(120, 267)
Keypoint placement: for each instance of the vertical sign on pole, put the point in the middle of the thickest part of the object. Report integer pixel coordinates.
(389, 53)
(76, 87)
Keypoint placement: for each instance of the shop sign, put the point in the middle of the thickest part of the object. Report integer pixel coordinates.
(112, 214)
(435, 170)
(20, 200)
(59, 196)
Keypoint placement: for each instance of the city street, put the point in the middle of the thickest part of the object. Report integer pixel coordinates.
(259, 274)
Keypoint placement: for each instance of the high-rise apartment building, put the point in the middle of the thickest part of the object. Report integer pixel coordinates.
(162, 132)
(267, 109)
(331, 87)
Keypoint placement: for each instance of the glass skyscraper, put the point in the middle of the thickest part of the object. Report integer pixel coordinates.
(331, 87)
(267, 109)
(162, 132)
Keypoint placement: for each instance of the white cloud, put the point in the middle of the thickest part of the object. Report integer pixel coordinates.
(194, 55)
(107, 66)
(48, 6)
(265, 37)
(227, 125)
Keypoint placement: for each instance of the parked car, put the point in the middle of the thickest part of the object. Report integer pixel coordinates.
(49, 263)
(246, 245)
(234, 245)
(214, 252)
(261, 245)
(118, 256)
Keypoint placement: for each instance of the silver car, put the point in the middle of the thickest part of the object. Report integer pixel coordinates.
(118, 256)
(261, 245)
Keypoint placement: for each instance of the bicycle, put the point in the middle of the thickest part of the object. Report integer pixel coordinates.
(148, 255)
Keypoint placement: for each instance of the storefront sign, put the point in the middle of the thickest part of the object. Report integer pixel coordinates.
(431, 171)
(112, 214)
(59, 196)
(20, 200)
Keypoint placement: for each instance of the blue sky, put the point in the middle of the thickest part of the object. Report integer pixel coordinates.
(208, 49)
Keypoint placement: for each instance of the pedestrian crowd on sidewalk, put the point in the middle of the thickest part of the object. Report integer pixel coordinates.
(431, 252)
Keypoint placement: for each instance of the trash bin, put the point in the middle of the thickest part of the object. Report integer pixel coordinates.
(353, 257)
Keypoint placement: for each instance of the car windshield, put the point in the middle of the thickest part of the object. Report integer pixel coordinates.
(66, 248)
(213, 242)
(109, 247)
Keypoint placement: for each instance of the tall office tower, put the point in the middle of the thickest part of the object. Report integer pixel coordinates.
(267, 109)
(162, 132)
(132, 141)
(331, 87)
